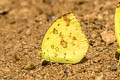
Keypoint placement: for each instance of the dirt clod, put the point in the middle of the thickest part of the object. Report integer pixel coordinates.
(108, 36)
(29, 66)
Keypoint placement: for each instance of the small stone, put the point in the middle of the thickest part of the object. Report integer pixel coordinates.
(108, 36)
(28, 32)
(16, 57)
(29, 66)
(50, 18)
(114, 69)
(100, 77)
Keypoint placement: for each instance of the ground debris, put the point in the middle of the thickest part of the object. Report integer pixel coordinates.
(108, 36)
(100, 77)
(29, 66)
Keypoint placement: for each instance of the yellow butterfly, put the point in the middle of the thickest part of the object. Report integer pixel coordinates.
(117, 25)
(64, 42)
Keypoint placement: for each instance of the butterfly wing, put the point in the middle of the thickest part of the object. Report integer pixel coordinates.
(65, 42)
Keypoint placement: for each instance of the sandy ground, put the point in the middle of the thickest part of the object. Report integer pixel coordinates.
(23, 24)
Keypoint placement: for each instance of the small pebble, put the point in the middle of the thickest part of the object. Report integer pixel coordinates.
(28, 32)
(108, 36)
(100, 77)
(29, 66)
(114, 69)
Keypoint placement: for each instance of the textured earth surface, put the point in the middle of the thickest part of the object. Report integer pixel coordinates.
(23, 24)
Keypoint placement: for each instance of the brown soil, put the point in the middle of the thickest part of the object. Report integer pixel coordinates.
(23, 24)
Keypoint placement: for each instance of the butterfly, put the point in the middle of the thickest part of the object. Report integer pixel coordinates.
(64, 42)
(117, 25)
